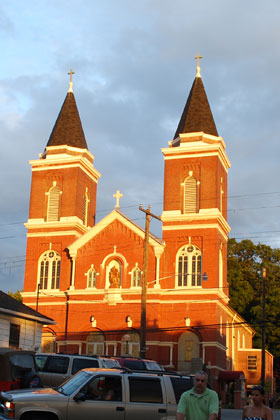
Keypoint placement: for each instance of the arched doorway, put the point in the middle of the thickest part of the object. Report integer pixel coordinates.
(48, 342)
(188, 353)
(130, 344)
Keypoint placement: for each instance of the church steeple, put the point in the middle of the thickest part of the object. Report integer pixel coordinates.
(68, 128)
(197, 115)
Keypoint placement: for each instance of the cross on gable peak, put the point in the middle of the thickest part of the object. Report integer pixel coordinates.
(117, 196)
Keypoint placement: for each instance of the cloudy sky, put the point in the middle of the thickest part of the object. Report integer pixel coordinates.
(134, 66)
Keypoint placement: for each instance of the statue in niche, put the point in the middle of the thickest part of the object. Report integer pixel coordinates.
(114, 278)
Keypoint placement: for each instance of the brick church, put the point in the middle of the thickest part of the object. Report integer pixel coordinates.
(88, 275)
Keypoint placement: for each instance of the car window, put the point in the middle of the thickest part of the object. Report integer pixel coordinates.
(145, 390)
(111, 363)
(104, 388)
(152, 366)
(40, 361)
(181, 385)
(80, 363)
(134, 364)
(56, 364)
(22, 360)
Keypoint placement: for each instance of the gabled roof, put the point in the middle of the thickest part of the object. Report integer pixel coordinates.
(107, 220)
(197, 115)
(9, 305)
(68, 128)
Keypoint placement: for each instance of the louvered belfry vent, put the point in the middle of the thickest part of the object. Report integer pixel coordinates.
(53, 205)
(190, 195)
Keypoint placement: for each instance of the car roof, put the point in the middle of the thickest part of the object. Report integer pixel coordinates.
(67, 355)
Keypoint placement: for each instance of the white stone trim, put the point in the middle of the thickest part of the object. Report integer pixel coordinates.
(198, 145)
(192, 227)
(65, 163)
(57, 233)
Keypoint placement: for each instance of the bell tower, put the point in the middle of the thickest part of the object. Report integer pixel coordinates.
(62, 200)
(194, 216)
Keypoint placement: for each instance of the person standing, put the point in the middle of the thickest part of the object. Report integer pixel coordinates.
(257, 411)
(200, 402)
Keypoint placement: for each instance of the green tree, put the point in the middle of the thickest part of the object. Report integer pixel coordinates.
(16, 295)
(245, 267)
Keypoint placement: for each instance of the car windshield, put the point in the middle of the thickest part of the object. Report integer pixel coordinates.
(74, 384)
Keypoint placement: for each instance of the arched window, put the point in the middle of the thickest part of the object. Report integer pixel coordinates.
(49, 270)
(85, 207)
(136, 277)
(91, 277)
(53, 204)
(189, 266)
(190, 195)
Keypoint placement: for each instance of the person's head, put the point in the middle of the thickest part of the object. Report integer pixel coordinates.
(200, 381)
(257, 394)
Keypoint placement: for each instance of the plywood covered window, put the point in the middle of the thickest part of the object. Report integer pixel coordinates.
(190, 195)
(189, 266)
(53, 204)
(95, 343)
(49, 270)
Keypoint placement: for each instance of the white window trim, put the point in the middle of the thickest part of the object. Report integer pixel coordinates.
(189, 269)
(49, 280)
(136, 267)
(91, 269)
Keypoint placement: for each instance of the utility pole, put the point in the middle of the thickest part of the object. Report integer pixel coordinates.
(66, 319)
(144, 280)
(37, 297)
(263, 326)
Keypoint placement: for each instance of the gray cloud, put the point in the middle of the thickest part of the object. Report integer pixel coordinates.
(134, 68)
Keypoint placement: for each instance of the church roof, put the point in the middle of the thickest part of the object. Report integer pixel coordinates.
(68, 128)
(197, 115)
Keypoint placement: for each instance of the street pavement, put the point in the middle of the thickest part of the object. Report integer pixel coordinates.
(237, 414)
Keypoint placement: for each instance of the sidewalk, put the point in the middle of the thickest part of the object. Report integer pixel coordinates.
(228, 414)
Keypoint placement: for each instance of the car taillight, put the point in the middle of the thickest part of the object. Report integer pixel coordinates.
(11, 409)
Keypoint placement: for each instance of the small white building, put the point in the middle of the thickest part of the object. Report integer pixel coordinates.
(20, 325)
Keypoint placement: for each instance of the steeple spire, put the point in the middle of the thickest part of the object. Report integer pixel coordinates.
(197, 115)
(68, 128)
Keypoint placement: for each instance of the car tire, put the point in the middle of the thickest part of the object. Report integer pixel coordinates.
(39, 416)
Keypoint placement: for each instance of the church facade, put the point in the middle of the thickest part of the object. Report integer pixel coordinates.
(88, 275)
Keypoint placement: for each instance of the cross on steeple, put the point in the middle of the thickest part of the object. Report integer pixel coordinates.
(71, 82)
(198, 57)
(117, 196)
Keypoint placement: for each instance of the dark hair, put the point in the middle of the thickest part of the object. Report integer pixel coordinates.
(258, 388)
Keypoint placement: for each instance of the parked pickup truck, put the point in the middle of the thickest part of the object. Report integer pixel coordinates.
(100, 394)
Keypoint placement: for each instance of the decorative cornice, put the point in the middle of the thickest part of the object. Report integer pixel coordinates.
(197, 145)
